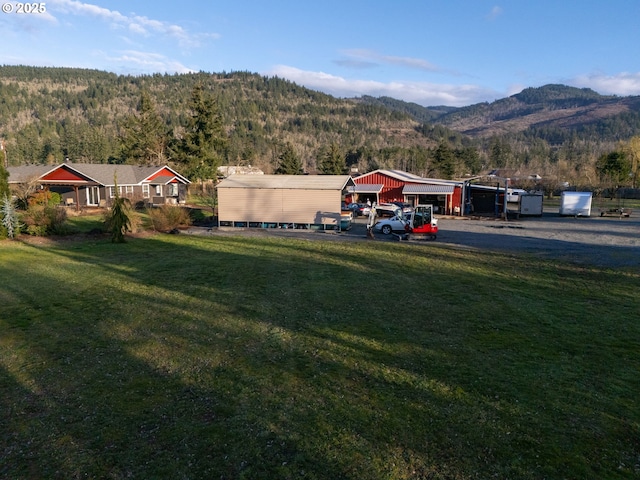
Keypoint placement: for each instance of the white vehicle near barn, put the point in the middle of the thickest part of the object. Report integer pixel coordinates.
(514, 194)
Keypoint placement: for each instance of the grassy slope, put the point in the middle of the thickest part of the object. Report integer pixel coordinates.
(185, 357)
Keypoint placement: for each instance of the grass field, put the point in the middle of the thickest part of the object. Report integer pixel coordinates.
(182, 357)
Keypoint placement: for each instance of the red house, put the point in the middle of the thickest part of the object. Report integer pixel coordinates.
(93, 185)
(385, 186)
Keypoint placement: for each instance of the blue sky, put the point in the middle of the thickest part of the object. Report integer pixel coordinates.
(432, 52)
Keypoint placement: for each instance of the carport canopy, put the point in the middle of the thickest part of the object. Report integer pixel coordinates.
(425, 189)
(366, 188)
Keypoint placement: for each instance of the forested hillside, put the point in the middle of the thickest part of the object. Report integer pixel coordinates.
(49, 114)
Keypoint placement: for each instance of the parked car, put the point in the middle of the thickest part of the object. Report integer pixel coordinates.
(389, 225)
(359, 209)
(513, 194)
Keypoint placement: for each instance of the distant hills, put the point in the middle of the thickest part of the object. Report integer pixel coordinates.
(575, 110)
(48, 114)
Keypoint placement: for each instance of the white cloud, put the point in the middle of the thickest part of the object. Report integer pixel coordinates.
(363, 57)
(79, 8)
(146, 62)
(23, 22)
(434, 94)
(495, 12)
(422, 93)
(136, 24)
(135, 28)
(622, 84)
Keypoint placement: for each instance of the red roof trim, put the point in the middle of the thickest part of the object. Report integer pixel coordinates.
(65, 174)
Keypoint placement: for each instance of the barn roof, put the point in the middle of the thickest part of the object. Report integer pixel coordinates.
(408, 177)
(291, 182)
(367, 188)
(425, 188)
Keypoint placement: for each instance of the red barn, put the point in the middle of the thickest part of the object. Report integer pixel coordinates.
(384, 186)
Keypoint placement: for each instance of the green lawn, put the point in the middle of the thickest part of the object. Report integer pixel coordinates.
(181, 357)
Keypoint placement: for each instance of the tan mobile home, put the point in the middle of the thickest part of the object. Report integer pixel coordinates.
(290, 201)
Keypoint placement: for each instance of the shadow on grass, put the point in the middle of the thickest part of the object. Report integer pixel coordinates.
(259, 358)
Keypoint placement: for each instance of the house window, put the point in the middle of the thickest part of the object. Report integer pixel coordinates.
(145, 190)
(158, 190)
(112, 191)
(172, 190)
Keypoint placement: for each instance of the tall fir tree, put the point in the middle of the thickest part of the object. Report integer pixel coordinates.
(444, 160)
(499, 152)
(633, 154)
(4, 174)
(614, 169)
(144, 137)
(289, 162)
(203, 148)
(332, 161)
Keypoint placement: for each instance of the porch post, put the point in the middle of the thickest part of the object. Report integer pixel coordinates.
(75, 189)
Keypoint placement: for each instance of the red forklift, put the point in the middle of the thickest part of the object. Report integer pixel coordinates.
(421, 224)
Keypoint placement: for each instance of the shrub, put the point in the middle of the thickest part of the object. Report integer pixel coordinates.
(45, 220)
(199, 216)
(166, 218)
(45, 198)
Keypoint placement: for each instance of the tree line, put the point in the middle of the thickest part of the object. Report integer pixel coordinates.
(240, 118)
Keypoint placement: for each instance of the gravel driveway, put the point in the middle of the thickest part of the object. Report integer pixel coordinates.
(602, 241)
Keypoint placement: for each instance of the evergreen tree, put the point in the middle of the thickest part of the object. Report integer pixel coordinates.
(471, 159)
(633, 153)
(332, 162)
(144, 139)
(9, 217)
(499, 152)
(203, 148)
(118, 219)
(289, 162)
(615, 168)
(4, 174)
(444, 160)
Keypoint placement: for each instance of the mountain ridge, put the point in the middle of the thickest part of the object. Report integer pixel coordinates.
(552, 105)
(51, 113)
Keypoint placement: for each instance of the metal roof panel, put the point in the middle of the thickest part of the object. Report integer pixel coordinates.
(301, 182)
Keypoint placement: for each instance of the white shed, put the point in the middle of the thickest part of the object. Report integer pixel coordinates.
(576, 203)
(303, 201)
